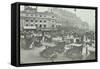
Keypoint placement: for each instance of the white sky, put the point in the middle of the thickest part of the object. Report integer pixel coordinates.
(86, 15)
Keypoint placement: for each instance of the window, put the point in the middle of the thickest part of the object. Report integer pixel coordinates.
(31, 20)
(44, 20)
(44, 26)
(36, 25)
(40, 26)
(35, 20)
(26, 24)
(53, 26)
(26, 20)
(40, 20)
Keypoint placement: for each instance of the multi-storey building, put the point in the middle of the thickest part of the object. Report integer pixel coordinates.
(30, 18)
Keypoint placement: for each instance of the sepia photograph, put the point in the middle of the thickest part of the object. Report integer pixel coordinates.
(55, 34)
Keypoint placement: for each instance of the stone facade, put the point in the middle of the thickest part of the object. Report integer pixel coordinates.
(30, 18)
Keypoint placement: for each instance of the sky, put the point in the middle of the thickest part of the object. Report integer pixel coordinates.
(87, 15)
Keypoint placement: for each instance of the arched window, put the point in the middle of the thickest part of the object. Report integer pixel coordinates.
(27, 20)
(44, 26)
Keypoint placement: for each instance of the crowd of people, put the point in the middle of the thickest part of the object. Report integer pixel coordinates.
(73, 51)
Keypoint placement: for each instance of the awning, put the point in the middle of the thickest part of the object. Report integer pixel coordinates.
(48, 29)
(29, 27)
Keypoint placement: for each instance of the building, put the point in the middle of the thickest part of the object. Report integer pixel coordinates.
(72, 37)
(30, 18)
